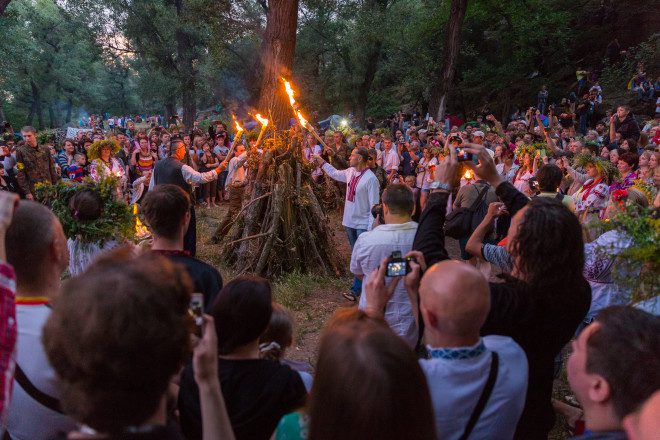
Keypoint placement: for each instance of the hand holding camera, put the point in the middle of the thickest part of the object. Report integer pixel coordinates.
(485, 168)
(376, 292)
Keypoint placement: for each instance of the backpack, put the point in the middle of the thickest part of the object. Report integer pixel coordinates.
(462, 221)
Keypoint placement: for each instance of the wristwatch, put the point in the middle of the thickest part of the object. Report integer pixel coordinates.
(440, 186)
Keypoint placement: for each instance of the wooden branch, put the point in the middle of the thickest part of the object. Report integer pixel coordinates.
(249, 238)
(251, 202)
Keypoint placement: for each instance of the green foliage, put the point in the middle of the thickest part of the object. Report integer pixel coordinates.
(116, 222)
(615, 78)
(644, 230)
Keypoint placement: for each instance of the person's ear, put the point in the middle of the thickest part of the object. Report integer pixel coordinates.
(186, 218)
(599, 389)
(429, 318)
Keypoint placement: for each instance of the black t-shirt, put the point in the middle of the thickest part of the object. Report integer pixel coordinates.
(257, 392)
(207, 279)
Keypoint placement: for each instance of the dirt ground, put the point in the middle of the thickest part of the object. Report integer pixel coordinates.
(324, 298)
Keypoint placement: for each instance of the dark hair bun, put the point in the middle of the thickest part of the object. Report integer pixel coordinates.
(86, 205)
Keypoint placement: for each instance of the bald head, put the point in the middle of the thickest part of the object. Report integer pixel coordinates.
(455, 299)
(645, 424)
(34, 240)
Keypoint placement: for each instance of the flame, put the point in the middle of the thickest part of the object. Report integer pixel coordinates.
(289, 91)
(262, 121)
(303, 121)
(238, 126)
(140, 229)
(468, 175)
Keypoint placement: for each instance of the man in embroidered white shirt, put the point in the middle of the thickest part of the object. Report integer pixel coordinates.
(454, 303)
(397, 234)
(390, 159)
(362, 193)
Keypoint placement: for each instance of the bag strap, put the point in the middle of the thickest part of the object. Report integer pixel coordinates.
(485, 395)
(480, 197)
(44, 399)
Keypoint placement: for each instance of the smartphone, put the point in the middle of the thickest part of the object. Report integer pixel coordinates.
(197, 312)
(464, 156)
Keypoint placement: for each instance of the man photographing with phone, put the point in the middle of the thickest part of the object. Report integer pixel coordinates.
(392, 239)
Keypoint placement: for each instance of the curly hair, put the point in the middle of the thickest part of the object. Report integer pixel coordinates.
(116, 335)
(548, 245)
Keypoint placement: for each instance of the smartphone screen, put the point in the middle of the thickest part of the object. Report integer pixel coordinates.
(197, 311)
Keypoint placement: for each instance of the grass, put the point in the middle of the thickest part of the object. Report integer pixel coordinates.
(292, 290)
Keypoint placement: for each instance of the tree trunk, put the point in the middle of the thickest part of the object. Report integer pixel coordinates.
(69, 110)
(375, 9)
(277, 60)
(51, 116)
(36, 99)
(187, 79)
(187, 73)
(365, 87)
(438, 102)
(30, 117)
(3, 6)
(170, 108)
(2, 109)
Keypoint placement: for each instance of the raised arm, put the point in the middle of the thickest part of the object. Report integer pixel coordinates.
(338, 175)
(473, 246)
(512, 198)
(430, 236)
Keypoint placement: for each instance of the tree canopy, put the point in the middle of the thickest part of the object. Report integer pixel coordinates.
(65, 58)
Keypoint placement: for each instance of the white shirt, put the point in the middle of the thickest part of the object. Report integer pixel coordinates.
(191, 176)
(369, 250)
(456, 384)
(235, 169)
(391, 160)
(27, 419)
(357, 214)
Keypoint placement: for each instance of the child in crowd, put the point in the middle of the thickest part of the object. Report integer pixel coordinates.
(77, 169)
(277, 338)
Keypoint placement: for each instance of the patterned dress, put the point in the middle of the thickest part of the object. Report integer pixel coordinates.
(627, 182)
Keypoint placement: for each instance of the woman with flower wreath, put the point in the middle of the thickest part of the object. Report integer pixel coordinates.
(601, 255)
(425, 168)
(104, 164)
(591, 199)
(507, 167)
(525, 155)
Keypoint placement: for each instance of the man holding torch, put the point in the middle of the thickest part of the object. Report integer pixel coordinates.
(173, 171)
(362, 193)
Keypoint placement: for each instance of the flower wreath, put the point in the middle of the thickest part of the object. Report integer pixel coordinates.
(530, 149)
(116, 222)
(605, 167)
(94, 151)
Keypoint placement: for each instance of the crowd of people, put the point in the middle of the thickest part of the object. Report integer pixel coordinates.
(434, 349)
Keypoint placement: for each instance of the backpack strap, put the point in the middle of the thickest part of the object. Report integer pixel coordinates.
(35, 393)
(485, 395)
(480, 197)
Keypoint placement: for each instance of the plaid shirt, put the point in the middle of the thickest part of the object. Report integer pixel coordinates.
(7, 334)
